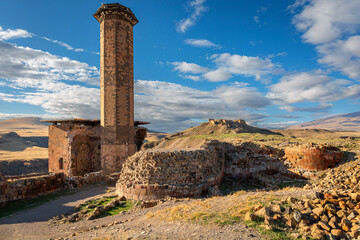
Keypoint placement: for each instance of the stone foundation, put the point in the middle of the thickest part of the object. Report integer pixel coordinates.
(313, 157)
(152, 174)
(29, 186)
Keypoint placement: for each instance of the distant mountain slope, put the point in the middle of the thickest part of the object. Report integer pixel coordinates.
(196, 136)
(345, 122)
(28, 127)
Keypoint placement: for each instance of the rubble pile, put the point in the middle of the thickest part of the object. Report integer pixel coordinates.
(328, 215)
(344, 177)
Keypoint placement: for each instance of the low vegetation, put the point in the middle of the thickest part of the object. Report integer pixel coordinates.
(225, 210)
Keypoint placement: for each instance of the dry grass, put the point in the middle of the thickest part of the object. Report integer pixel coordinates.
(220, 210)
(29, 153)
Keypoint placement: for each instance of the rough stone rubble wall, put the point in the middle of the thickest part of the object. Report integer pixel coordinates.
(154, 174)
(313, 157)
(24, 187)
(151, 175)
(244, 159)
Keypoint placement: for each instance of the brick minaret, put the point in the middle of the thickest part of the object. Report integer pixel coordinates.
(117, 85)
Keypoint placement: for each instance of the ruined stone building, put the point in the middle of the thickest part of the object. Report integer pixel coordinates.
(79, 146)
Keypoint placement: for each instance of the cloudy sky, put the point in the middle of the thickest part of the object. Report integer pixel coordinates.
(272, 63)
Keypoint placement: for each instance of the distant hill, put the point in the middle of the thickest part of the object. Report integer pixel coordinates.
(25, 127)
(344, 122)
(196, 136)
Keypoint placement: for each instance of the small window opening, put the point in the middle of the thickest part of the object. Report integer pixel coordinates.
(61, 163)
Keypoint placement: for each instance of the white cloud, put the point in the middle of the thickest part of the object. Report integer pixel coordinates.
(342, 55)
(325, 20)
(279, 124)
(245, 65)
(12, 34)
(198, 9)
(227, 65)
(4, 116)
(184, 67)
(39, 78)
(203, 43)
(217, 76)
(242, 97)
(321, 107)
(256, 19)
(333, 26)
(164, 104)
(312, 87)
(191, 77)
(21, 33)
(65, 45)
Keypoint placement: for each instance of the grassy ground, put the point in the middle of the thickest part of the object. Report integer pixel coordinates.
(229, 209)
(278, 140)
(90, 205)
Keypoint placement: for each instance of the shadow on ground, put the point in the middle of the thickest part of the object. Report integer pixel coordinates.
(62, 202)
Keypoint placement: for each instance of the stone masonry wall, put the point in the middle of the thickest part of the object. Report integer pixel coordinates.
(243, 159)
(116, 87)
(152, 175)
(313, 157)
(23, 187)
(76, 146)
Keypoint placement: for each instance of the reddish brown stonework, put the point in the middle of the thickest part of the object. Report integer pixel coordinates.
(313, 157)
(29, 186)
(74, 147)
(117, 85)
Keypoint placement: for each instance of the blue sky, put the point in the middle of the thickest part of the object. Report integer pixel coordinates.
(272, 63)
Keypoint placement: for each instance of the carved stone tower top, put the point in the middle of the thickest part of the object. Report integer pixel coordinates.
(114, 10)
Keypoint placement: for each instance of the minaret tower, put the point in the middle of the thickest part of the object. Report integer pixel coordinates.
(116, 84)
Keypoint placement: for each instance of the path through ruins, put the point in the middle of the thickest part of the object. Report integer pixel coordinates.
(54, 207)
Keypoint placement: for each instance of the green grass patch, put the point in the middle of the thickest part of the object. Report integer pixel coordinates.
(116, 210)
(277, 232)
(21, 205)
(102, 202)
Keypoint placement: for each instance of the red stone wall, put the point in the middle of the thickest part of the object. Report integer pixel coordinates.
(313, 157)
(23, 187)
(59, 147)
(78, 146)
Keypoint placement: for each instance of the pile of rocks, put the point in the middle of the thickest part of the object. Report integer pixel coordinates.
(344, 177)
(330, 215)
